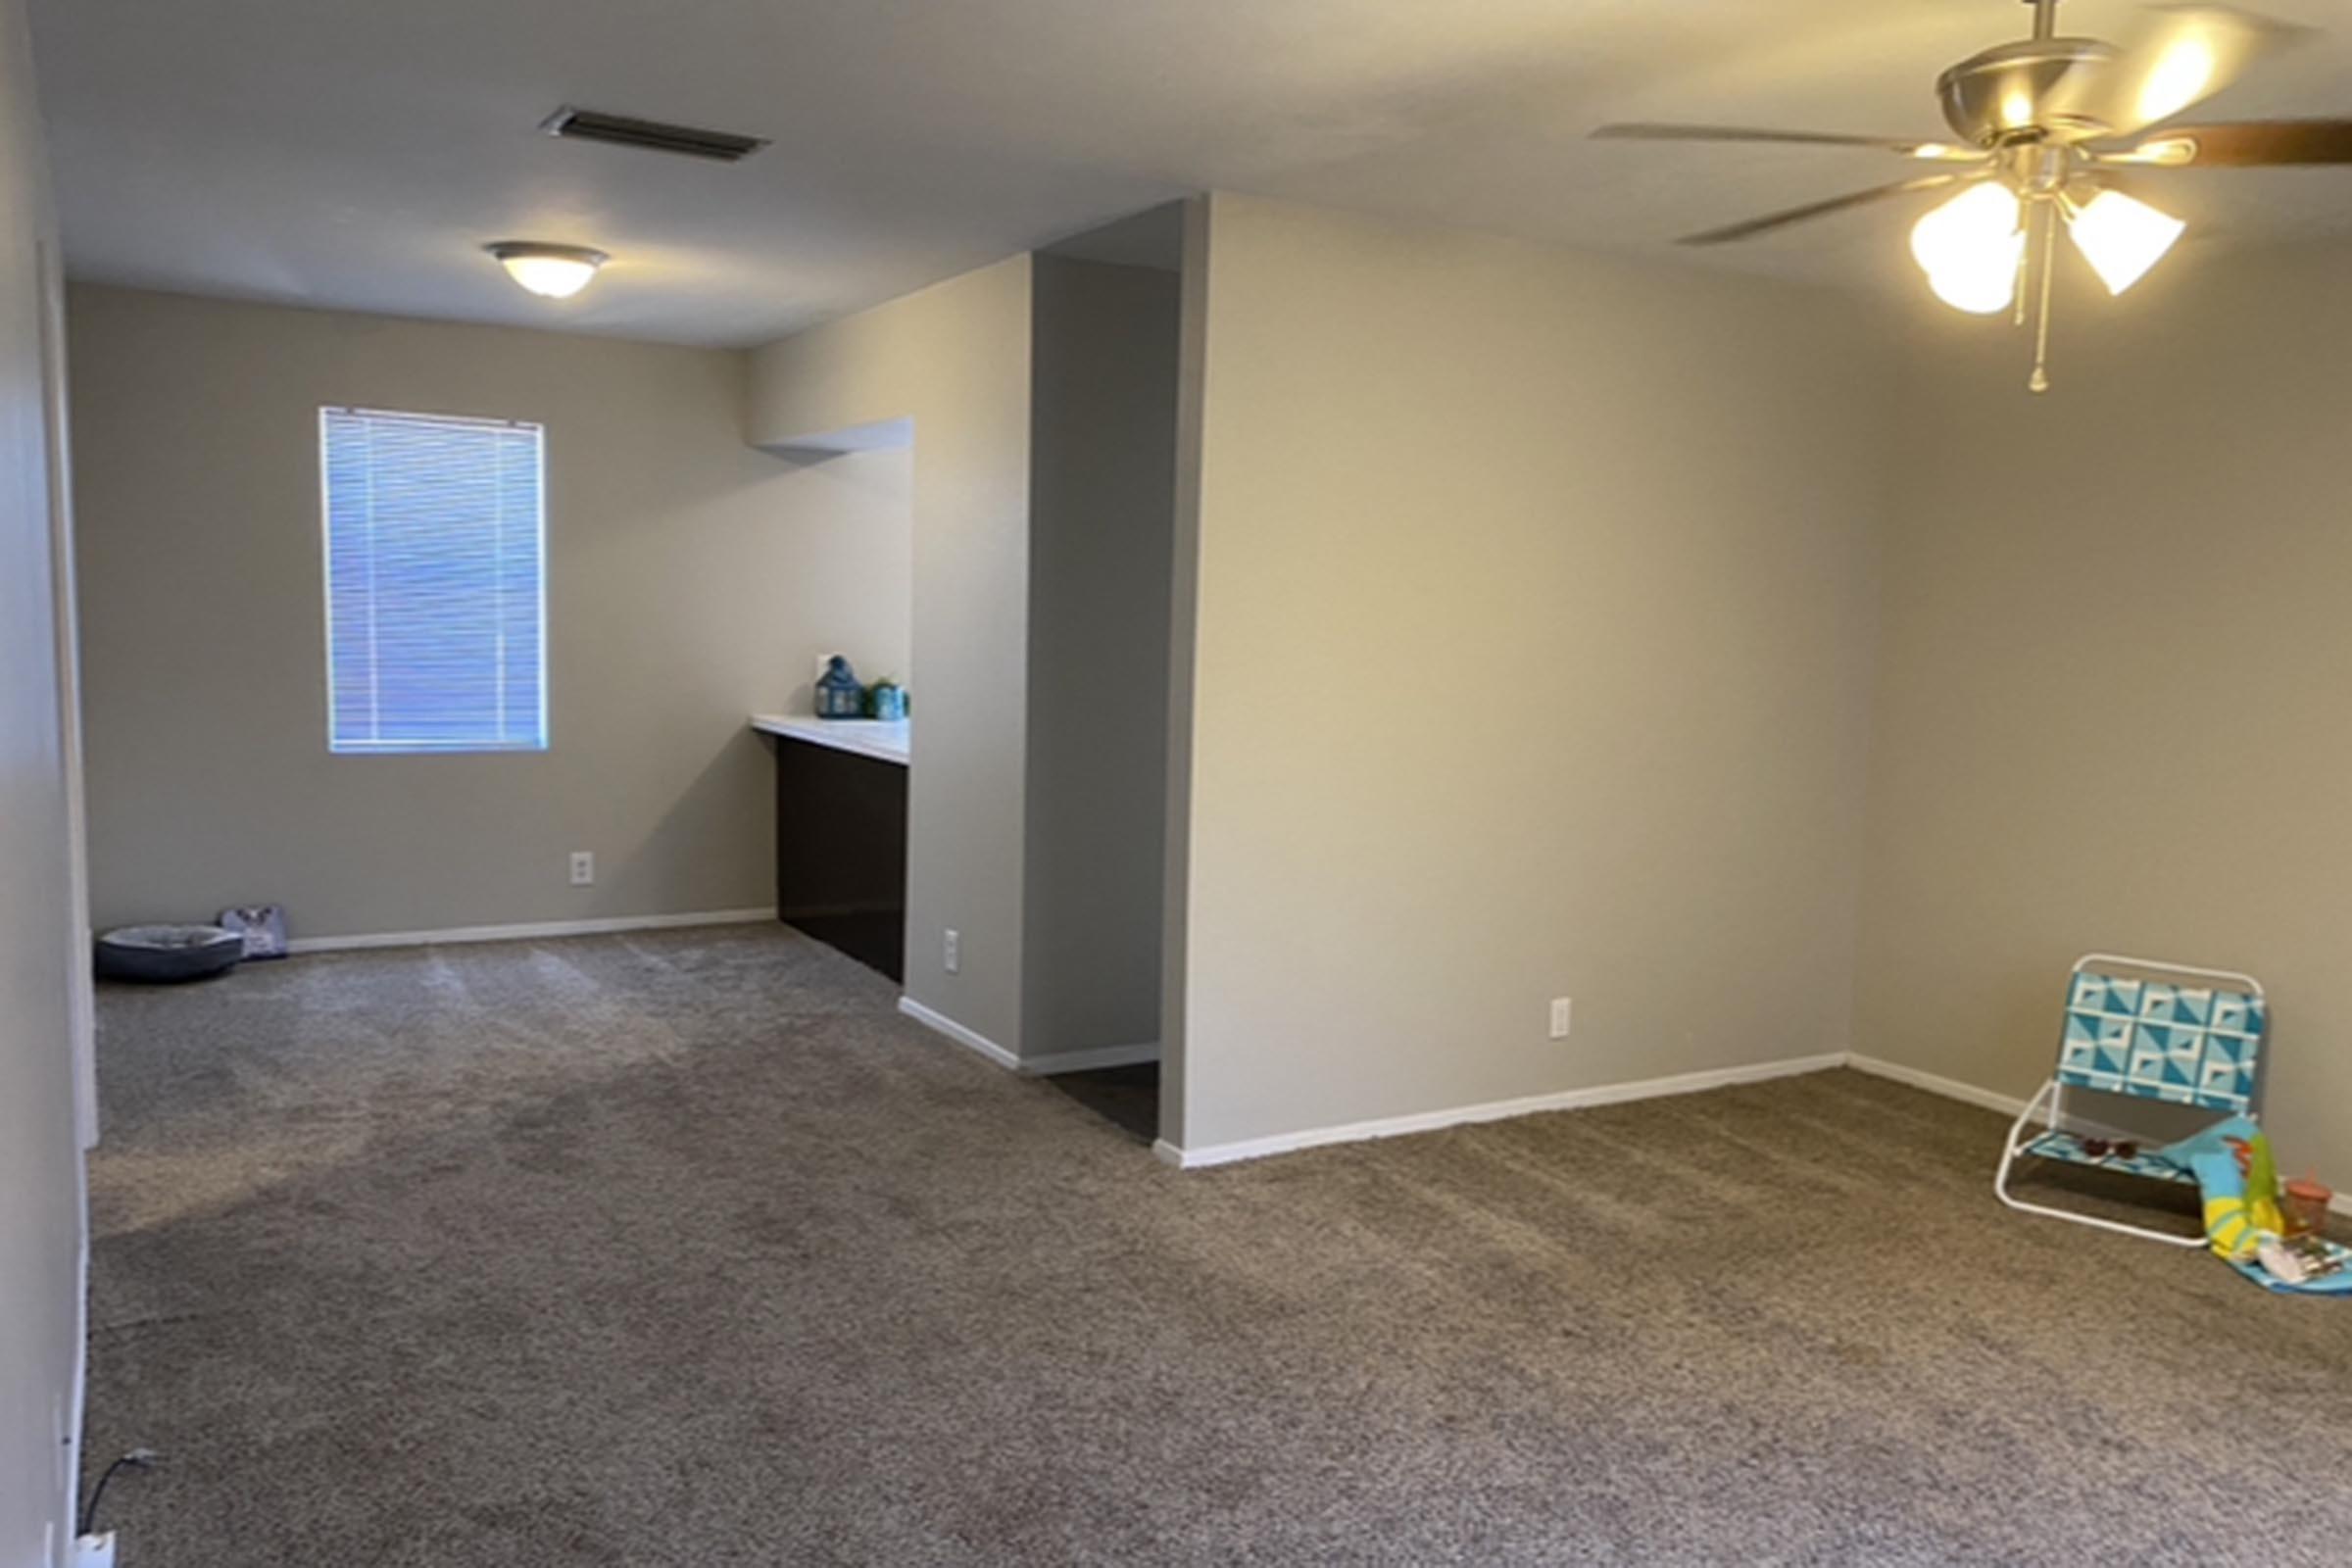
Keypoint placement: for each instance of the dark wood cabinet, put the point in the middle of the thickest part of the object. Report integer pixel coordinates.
(841, 850)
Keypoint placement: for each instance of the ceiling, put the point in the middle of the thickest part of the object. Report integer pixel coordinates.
(333, 153)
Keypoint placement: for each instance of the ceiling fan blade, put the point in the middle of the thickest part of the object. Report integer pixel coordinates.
(2180, 55)
(1913, 147)
(2248, 144)
(1835, 204)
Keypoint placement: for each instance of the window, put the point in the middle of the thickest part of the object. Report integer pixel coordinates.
(435, 583)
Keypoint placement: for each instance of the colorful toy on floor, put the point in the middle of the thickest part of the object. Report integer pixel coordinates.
(2224, 1159)
(2262, 1186)
(2245, 1221)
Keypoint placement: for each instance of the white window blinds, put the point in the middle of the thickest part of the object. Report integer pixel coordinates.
(435, 583)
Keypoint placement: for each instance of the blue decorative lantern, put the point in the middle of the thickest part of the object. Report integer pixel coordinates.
(838, 694)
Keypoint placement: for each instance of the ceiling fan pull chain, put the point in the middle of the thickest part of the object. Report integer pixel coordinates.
(2024, 276)
(2040, 379)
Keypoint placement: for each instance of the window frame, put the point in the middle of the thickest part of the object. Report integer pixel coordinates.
(542, 728)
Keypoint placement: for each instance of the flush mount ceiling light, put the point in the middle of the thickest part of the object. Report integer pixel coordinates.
(557, 272)
(2044, 125)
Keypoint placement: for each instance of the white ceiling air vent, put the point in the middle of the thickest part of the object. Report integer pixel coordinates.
(589, 125)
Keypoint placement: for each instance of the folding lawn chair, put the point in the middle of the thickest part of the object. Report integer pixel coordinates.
(2166, 1032)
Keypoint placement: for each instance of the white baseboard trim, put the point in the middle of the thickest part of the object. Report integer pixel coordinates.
(1032, 1066)
(1089, 1060)
(969, 1038)
(529, 930)
(1689, 1083)
(1948, 1087)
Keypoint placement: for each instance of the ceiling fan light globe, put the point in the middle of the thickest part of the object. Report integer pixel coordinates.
(2122, 237)
(1970, 247)
(1976, 234)
(1984, 288)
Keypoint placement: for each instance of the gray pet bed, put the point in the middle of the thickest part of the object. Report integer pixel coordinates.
(162, 955)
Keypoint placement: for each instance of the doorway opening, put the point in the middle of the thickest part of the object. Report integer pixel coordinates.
(1105, 344)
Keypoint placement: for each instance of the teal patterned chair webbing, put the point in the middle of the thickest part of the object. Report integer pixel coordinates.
(2185, 1044)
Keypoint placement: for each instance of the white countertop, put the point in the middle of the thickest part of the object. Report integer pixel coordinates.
(886, 742)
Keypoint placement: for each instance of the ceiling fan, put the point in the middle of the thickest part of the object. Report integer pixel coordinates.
(2048, 129)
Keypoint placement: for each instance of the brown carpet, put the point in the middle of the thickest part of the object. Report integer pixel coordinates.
(684, 1248)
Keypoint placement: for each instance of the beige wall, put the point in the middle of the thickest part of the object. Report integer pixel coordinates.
(40, 958)
(1533, 655)
(2115, 710)
(672, 557)
(850, 517)
(1101, 548)
(954, 360)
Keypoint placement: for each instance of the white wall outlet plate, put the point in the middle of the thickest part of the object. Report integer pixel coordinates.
(583, 869)
(1561, 1017)
(952, 951)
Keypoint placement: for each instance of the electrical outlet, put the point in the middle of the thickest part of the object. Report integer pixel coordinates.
(1561, 1018)
(952, 951)
(583, 869)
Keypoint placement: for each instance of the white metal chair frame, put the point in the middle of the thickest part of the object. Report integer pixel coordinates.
(2054, 1094)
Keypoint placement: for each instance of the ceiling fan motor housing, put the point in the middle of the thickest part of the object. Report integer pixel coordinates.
(2009, 94)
